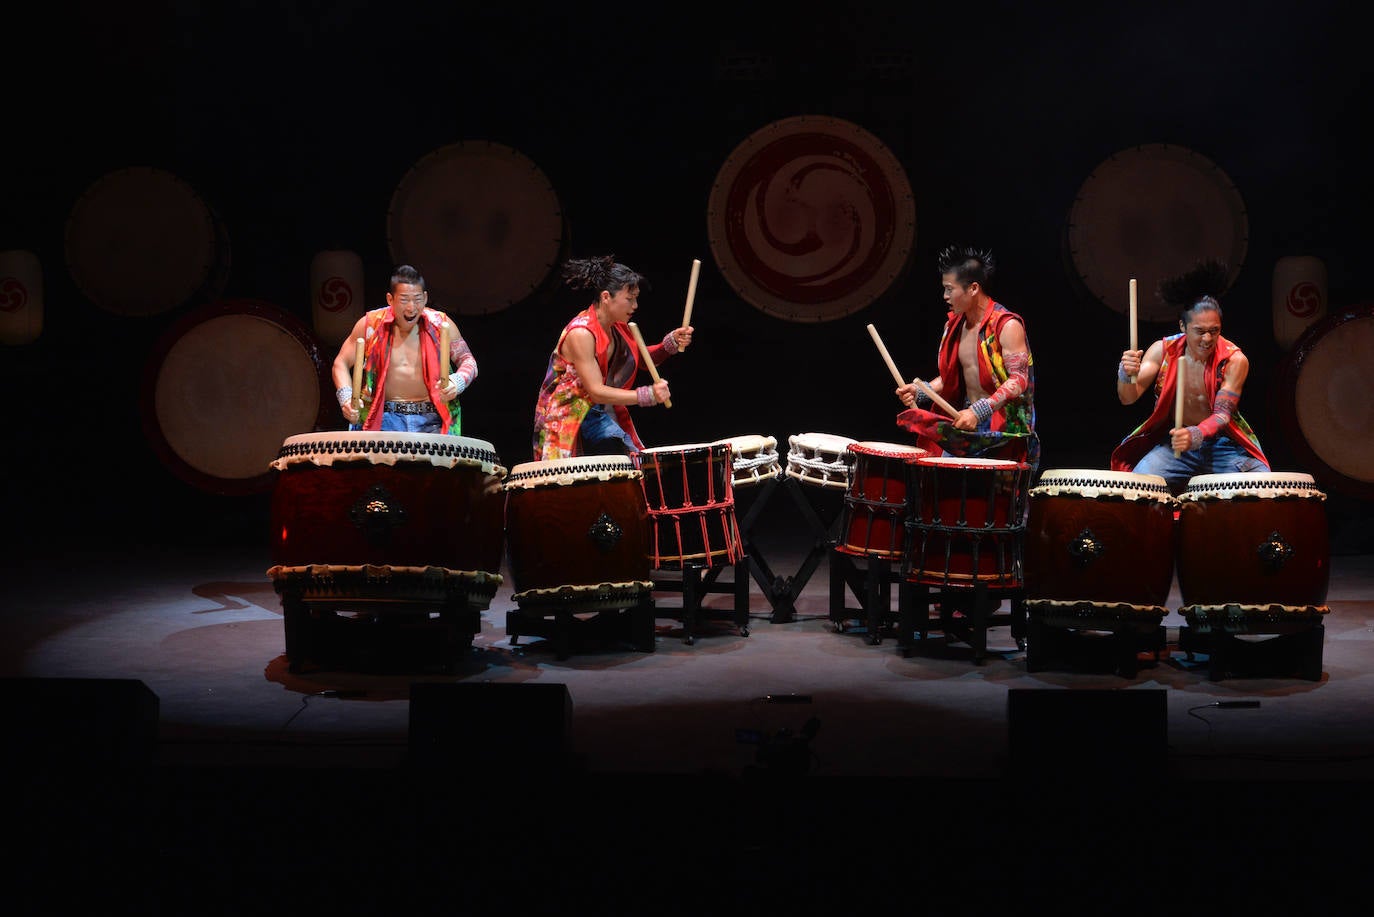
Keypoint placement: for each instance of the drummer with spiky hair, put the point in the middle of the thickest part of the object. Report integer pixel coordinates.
(1197, 376)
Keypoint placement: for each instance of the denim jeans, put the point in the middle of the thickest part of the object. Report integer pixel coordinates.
(1218, 455)
(601, 435)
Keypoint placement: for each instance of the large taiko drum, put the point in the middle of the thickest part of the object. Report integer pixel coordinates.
(691, 505)
(1326, 404)
(397, 499)
(820, 459)
(875, 505)
(142, 241)
(753, 459)
(1255, 539)
(967, 521)
(1100, 537)
(225, 386)
(577, 532)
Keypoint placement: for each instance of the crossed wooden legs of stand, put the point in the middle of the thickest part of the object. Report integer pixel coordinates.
(782, 591)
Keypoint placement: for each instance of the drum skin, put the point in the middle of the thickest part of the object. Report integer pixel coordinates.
(579, 528)
(388, 508)
(875, 505)
(1238, 548)
(690, 498)
(1100, 537)
(967, 521)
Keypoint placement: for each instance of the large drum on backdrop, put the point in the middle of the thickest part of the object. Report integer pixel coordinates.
(398, 499)
(1253, 539)
(225, 385)
(1104, 537)
(577, 532)
(876, 503)
(482, 222)
(21, 297)
(142, 241)
(967, 521)
(754, 459)
(1326, 404)
(820, 459)
(691, 505)
(1150, 212)
(1299, 296)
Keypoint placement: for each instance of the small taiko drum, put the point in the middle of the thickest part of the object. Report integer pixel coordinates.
(753, 459)
(967, 521)
(875, 505)
(1256, 539)
(577, 532)
(379, 498)
(820, 459)
(690, 499)
(1100, 537)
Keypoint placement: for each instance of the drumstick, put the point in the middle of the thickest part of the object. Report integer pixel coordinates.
(1178, 398)
(691, 293)
(892, 367)
(1133, 324)
(358, 376)
(653, 370)
(443, 353)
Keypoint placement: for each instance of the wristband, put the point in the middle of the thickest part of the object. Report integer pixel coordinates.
(458, 380)
(922, 398)
(345, 395)
(1195, 438)
(645, 395)
(670, 345)
(982, 408)
(1121, 374)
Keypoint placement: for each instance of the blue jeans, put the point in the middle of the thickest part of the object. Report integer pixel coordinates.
(601, 435)
(1218, 455)
(411, 423)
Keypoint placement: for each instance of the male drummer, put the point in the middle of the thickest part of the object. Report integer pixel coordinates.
(1212, 438)
(401, 368)
(985, 371)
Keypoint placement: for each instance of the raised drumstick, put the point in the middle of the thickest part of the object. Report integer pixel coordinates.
(691, 293)
(644, 350)
(443, 353)
(892, 367)
(1133, 324)
(358, 375)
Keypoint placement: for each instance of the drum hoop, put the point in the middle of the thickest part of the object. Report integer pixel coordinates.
(888, 450)
(388, 448)
(947, 461)
(1252, 486)
(1289, 371)
(1097, 483)
(172, 336)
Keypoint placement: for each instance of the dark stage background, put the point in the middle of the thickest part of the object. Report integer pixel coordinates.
(297, 121)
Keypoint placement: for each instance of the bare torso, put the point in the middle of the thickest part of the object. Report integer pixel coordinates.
(1197, 402)
(404, 377)
(968, 361)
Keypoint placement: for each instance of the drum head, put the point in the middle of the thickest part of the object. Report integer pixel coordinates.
(821, 443)
(811, 218)
(952, 461)
(1095, 482)
(1326, 405)
(887, 450)
(388, 448)
(226, 386)
(569, 470)
(1151, 212)
(1257, 484)
(749, 444)
(481, 222)
(142, 242)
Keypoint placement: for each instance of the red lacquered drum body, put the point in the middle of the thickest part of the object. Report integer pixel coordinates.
(967, 522)
(875, 505)
(690, 498)
(1253, 539)
(399, 499)
(575, 525)
(1101, 537)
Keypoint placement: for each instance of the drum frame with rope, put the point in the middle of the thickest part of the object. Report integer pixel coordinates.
(384, 543)
(1253, 561)
(1099, 560)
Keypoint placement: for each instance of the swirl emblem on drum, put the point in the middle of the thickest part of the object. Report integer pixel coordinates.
(1151, 212)
(481, 222)
(811, 219)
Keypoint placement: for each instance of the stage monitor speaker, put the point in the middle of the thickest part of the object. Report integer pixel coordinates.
(1084, 736)
(522, 727)
(79, 722)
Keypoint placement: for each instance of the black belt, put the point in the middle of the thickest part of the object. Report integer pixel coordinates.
(409, 407)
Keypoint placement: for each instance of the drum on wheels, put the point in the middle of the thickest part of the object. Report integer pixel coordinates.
(376, 535)
(577, 532)
(691, 505)
(875, 504)
(1101, 537)
(967, 522)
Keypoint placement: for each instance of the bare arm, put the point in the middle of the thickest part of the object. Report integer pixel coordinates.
(342, 370)
(1144, 365)
(579, 347)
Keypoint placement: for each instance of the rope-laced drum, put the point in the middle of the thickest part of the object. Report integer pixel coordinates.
(577, 533)
(820, 459)
(967, 521)
(691, 505)
(876, 503)
(753, 458)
